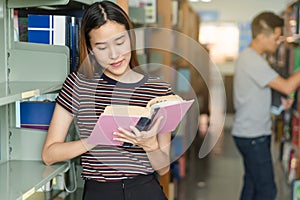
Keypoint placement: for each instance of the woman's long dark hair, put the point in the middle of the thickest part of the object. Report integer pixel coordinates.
(94, 17)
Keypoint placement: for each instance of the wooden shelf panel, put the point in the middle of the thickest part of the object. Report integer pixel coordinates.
(20, 179)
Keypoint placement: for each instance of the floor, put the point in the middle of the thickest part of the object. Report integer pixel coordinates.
(219, 175)
(216, 176)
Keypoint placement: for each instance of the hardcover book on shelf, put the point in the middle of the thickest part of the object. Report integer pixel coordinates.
(172, 107)
(57, 30)
(47, 29)
(36, 114)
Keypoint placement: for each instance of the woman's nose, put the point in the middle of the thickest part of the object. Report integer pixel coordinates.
(113, 53)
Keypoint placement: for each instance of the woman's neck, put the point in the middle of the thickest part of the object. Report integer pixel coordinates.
(130, 76)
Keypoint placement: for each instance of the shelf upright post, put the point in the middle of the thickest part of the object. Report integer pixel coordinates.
(4, 151)
(3, 44)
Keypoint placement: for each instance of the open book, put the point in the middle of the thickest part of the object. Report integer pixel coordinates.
(171, 107)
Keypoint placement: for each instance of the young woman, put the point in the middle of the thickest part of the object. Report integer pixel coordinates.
(107, 76)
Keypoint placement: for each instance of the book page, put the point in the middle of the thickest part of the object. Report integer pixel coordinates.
(165, 103)
(168, 98)
(126, 110)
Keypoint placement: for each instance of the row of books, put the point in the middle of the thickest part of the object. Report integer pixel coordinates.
(286, 128)
(54, 29)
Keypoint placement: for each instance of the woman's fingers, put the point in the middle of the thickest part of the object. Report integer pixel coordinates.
(156, 124)
(135, 136)
(126, 132)
(136, 131)
(125, 136)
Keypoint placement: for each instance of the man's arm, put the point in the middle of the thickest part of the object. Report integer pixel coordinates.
(286, 86)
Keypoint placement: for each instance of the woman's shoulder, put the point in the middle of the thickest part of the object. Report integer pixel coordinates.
(79, 77)
(158, 82)
(156, 79)
(75, 79)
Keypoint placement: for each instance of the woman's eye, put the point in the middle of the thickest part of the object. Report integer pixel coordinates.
(101, 48)
(120, 42)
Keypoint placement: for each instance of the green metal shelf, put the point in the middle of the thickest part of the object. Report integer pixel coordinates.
(20, 179)
(18, 90)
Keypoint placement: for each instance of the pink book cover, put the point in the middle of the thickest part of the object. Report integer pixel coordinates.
(102, 133)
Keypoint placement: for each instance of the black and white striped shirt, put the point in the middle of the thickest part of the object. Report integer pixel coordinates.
(86, 99)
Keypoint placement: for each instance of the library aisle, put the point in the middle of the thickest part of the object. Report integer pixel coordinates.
(219, 175)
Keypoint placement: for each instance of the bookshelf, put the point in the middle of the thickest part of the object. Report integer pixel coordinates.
(160, 51)
(286, 125)
(26, 70)
(187, 24)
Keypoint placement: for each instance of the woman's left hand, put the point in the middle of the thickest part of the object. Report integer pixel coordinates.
(145, 139)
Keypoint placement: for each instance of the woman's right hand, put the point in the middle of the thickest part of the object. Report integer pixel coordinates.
(144, 139)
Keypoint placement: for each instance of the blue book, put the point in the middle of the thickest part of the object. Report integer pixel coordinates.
(47, 29)
(36, 114)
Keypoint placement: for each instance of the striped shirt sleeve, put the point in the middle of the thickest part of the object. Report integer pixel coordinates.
(68, 96)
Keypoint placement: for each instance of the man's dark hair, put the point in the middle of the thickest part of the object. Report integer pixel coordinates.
(266, 22)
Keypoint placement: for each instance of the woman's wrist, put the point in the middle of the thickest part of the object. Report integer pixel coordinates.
(86, 145)
(152, 148)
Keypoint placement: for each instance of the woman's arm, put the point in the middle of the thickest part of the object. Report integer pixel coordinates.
(55, 148)
(160, 158)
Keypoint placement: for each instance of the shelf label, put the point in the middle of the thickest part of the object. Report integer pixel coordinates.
(28, 193)
(29, 94)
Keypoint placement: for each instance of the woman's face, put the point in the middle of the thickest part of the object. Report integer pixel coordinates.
(111, 47)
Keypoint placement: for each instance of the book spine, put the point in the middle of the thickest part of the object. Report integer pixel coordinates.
(76, 45)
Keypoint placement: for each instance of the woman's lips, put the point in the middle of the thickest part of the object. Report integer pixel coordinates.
(116, 64)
